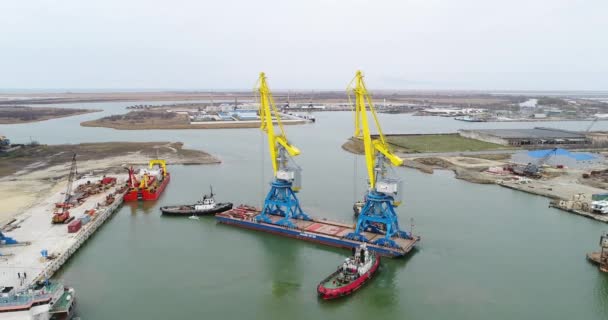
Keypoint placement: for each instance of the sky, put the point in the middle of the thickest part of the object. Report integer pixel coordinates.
(311, 44)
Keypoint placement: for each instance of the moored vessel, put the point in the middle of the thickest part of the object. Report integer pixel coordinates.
(351, 275)
(206, 206)
(43, 300)
(148, 183)
(322, 231)
(469, 119)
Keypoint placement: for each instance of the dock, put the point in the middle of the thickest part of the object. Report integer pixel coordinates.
(320, 231)
(562, 205)
(34, 229)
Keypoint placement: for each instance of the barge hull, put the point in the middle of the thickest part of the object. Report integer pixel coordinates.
(324, 232)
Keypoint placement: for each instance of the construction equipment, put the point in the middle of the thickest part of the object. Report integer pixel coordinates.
(161, 163)
(595, 119)
(4, 142)
(534, 170)
(281, 200)
(378, 213)
(4, 240)
(63, 215)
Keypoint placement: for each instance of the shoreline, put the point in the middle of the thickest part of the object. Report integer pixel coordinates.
(77, 112)
(557, 184)
(23, 188)
(206, 125)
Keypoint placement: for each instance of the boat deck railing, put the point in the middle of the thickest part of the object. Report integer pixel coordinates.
(25, 298)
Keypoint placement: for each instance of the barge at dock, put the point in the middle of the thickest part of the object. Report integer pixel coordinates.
(148, 184)
(325, 232)
(41, 301)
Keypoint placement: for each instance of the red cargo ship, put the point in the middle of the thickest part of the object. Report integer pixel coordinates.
(148, 184)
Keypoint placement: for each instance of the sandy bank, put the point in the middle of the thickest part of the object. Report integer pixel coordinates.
(160, 125)
(20, 114)
(25, 184)
(555, 183)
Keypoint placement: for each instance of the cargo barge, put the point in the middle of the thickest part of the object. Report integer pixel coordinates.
(148, 184)
(321, 231)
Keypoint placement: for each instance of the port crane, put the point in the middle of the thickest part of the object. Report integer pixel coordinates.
(595, 119)
(281, 200)
(534, 170)
(63, 215)
(378, 213)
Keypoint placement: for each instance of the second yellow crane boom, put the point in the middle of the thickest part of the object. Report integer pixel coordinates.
(362, 130)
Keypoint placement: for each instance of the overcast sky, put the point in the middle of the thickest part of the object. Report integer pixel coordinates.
(312, 44)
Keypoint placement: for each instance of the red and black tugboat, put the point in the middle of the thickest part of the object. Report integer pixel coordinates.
(351, 275)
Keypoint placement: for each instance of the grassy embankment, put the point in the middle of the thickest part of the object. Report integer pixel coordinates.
(429, 143)
(19, 114)
(440, 143)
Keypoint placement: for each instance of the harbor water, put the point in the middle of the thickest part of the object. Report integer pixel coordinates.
(486, 253)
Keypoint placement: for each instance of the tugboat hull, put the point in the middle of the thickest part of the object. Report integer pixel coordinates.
(189, 210)
(327, 292)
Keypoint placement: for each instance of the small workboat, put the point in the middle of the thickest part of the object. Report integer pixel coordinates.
(206, 206)
(351, 275)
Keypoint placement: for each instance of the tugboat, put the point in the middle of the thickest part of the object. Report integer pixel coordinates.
(351, 275)
(206, 206)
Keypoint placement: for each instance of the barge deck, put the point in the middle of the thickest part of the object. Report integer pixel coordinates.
(321, 231)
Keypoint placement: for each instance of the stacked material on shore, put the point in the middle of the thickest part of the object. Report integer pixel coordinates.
(560, 157)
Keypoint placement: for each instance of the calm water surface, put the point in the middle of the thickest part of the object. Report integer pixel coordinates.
(486, 252)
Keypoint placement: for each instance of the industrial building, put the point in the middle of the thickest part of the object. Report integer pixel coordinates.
(528, 137)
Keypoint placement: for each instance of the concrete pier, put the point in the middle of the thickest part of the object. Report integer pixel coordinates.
(34, 228)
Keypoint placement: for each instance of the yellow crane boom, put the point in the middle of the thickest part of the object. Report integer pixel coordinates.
(267, 110)
(362, 129)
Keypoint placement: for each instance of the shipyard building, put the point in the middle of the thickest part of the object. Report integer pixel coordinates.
(528, 137)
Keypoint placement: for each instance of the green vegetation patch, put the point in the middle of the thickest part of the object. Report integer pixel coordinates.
(440, 143)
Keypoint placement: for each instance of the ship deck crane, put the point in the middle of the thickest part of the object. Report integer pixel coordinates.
(281, 200)
(378, 214)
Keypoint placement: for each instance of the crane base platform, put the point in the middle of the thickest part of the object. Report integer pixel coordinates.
(321, 231)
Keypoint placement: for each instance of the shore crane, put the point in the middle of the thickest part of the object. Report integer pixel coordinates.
(378, 213)
(281, 200)
(63, 215)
